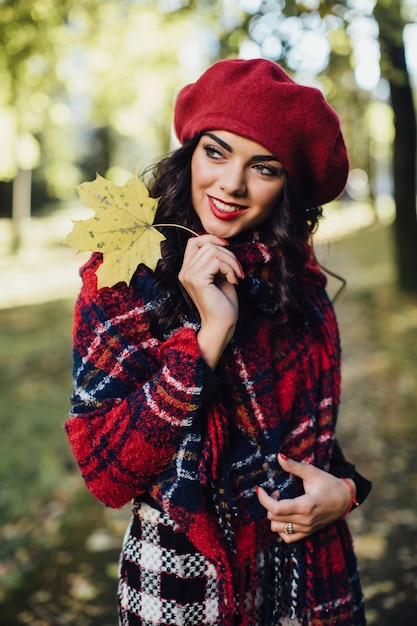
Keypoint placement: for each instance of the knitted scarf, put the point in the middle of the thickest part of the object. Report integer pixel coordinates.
(265, 405)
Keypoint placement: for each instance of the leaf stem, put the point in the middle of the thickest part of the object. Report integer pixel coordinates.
(177, 226)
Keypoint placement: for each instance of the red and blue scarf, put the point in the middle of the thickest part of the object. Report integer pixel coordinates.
(216, 451)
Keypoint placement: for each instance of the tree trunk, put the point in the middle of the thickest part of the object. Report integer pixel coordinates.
(404, 154)
(20, 206)
(405, 225)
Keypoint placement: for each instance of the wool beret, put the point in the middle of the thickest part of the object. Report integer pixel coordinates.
(258, 100)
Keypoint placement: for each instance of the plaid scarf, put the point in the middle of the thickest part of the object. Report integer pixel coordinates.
(223, 449)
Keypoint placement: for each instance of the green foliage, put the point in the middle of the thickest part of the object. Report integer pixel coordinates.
(32, 42)
(70, 68)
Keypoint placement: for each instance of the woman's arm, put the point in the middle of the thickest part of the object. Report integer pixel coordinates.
(342, 468)
(134, 397)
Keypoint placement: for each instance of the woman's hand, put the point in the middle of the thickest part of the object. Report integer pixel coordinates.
(209, 274)
(326, 499)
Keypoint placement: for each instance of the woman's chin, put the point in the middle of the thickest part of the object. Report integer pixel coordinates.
(224, 230)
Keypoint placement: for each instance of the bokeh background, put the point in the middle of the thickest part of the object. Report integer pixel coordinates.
(88, 87)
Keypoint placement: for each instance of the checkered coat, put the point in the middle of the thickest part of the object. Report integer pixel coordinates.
(148, 417)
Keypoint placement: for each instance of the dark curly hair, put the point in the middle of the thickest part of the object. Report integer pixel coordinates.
(289, 228)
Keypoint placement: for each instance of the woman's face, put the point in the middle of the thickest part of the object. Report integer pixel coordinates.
(236, 183)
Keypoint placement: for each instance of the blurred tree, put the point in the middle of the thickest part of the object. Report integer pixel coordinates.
(391, 20)
(89, 86)
(127, 73)
(32, 39)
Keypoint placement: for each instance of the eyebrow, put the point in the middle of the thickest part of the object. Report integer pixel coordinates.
(255, 157)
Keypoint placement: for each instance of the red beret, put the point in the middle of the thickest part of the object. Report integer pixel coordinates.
(258, 100)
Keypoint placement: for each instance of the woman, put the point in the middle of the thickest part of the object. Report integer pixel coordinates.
(207, 391)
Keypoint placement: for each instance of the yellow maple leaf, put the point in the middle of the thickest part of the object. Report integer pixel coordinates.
(121, 228)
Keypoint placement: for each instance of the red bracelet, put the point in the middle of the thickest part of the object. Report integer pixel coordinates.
(353, 501)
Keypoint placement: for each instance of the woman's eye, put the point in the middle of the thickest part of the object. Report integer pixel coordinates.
(212, 152)
(266, 170)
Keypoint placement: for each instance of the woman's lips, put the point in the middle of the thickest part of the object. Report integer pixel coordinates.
(224, 210)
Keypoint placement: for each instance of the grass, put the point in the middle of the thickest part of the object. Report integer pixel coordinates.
(35, 385)
(47, 516)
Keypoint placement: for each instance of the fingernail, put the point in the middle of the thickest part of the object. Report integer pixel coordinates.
(284, 456)
(257, 490)
(242, 273)
(226, 243)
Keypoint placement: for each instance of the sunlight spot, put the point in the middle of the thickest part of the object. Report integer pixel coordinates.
(312, 5)
(410, 41)
(357, 185)
(310, 54)
(250, 6)
(81, 588)
(100, 541)
(249, 50)
(370, 546)
(272, 47)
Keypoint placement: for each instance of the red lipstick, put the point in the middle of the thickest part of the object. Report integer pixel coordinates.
(225, 215)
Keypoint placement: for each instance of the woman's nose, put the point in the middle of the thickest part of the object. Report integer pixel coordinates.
(233, 180)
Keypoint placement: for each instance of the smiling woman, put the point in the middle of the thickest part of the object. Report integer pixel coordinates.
(207, 390)
(236, 183)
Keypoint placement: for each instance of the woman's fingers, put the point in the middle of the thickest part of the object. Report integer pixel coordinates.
(206, 246)
(208, 256)
(209, 274)
(285, 516)
(325, 500)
